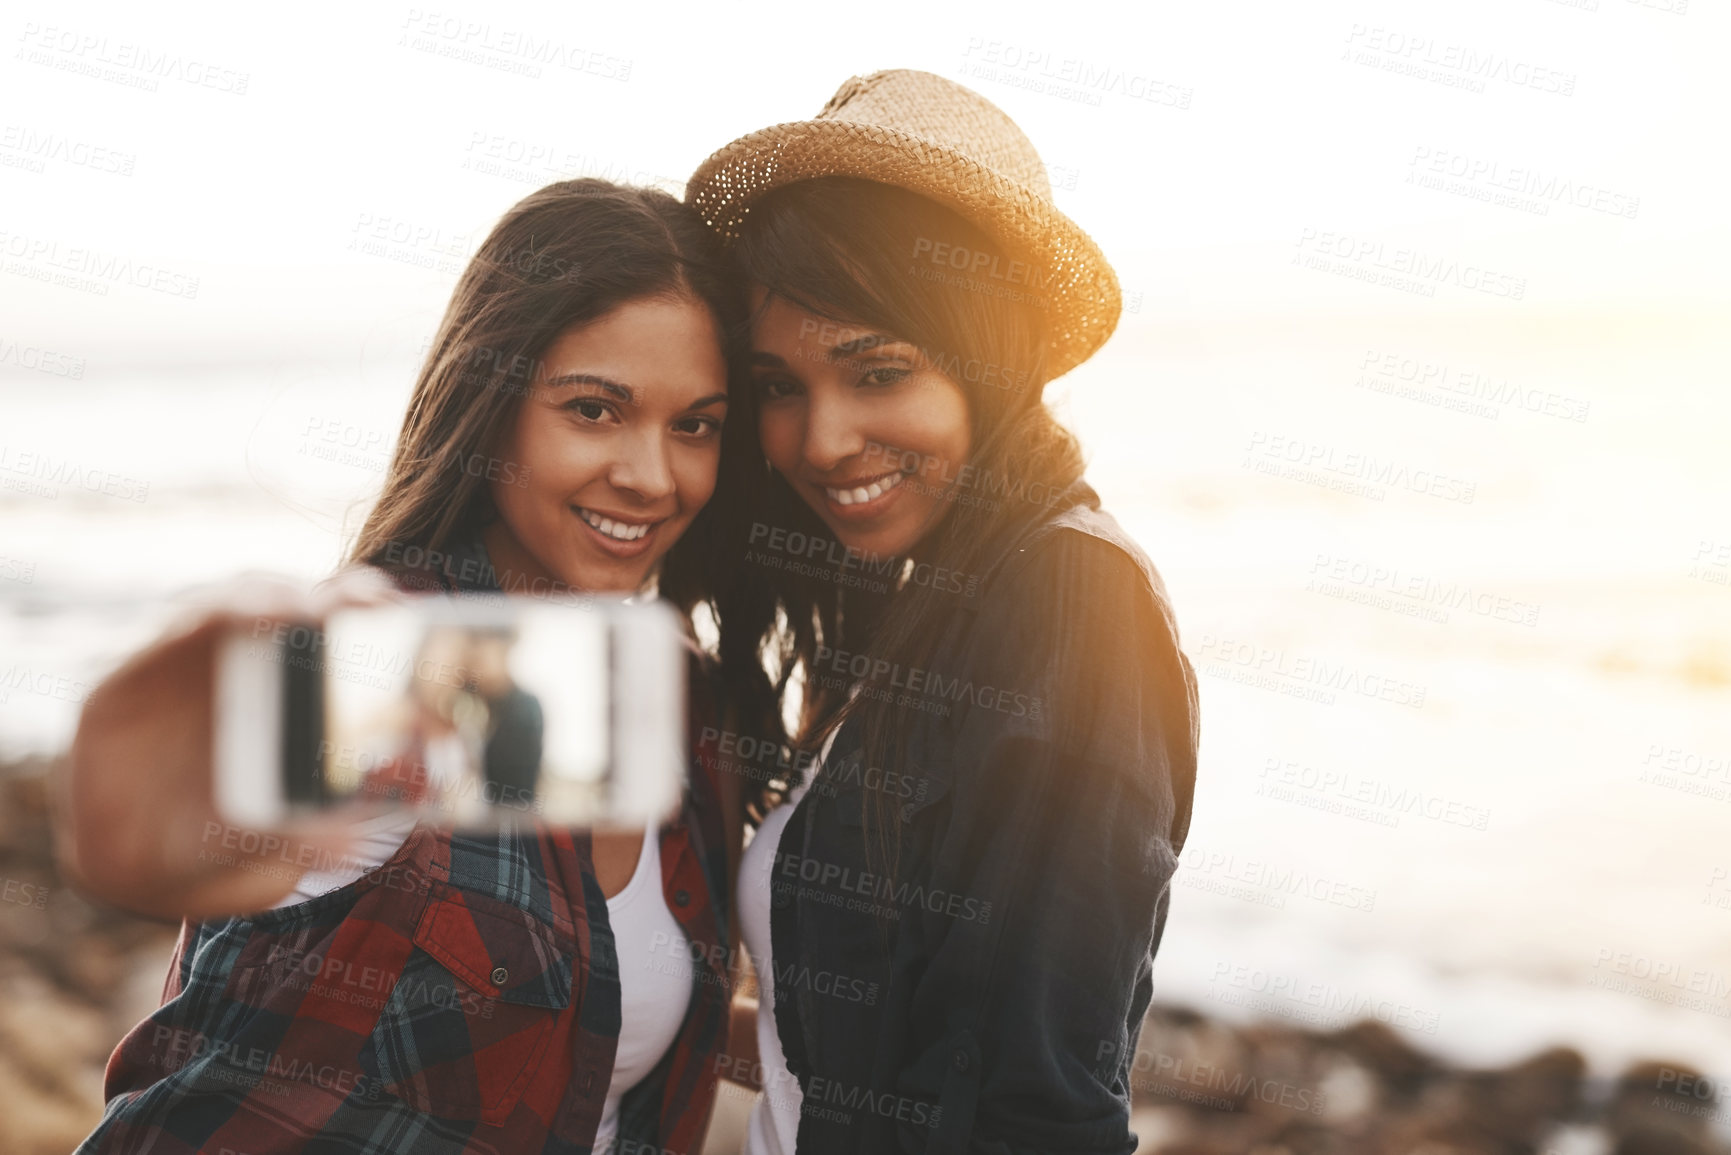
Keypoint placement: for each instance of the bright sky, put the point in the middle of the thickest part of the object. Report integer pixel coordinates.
(267, 145)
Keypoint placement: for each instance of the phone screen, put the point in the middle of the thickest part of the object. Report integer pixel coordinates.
(469, 721)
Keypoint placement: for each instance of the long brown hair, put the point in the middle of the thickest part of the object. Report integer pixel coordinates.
(564, 255)
(859, 253)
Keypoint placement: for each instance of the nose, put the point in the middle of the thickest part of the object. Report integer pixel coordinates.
(832, 435)
(642, 468)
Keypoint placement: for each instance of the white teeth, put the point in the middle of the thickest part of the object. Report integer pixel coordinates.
(617, 530)
(864, 493)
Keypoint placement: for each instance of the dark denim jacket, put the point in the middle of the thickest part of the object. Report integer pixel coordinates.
(988, 997)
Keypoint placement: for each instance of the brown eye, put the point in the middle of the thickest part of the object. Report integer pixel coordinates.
(885, 376)
(775, 388)
(699, 426)
(588, 408)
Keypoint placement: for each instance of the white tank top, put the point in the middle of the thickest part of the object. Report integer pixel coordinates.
(655, 974)
(775, 1116)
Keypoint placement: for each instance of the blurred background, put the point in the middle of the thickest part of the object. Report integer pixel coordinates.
(1418, 402)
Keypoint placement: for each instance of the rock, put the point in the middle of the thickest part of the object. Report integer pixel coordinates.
(1662, 1109)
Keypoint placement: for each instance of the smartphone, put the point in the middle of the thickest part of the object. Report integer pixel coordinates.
(475, 713)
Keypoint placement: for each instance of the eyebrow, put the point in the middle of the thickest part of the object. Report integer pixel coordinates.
(625, 392)
(622, 392)
(866, 343)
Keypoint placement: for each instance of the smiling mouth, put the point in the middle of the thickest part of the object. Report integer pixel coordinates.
(860, 494)
(622, 531)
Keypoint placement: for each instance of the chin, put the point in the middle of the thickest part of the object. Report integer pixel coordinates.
(885, 541)
(602, 578)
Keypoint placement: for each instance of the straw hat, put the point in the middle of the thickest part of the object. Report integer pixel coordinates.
(932, 136)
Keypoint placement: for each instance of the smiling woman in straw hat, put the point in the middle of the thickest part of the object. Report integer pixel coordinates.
(960, 876)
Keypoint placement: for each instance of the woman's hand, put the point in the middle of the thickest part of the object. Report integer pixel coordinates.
(135, 822)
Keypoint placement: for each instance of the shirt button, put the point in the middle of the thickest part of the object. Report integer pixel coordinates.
(781, 899)
(499, 975)
(682, 898)
(959, 1060)
(907, 811)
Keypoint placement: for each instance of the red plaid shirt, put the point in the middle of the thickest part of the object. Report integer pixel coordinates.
(464, 997)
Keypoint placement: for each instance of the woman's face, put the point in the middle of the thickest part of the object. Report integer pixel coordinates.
(861, 425)
(614, 449)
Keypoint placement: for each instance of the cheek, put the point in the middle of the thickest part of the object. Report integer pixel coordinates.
(696, 470)
(561, 460)
(958, 431)
(937, 421)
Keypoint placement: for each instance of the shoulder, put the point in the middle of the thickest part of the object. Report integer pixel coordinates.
(1075, 616)
(1079, 567)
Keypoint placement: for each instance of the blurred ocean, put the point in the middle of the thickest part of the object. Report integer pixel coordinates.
(1466, 763)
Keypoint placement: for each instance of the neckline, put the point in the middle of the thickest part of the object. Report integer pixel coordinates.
(649, 853)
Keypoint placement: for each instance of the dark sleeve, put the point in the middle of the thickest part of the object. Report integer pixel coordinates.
(1072, 806)
(513, 754)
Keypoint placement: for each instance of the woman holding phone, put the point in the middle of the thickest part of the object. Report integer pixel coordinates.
(422, 990)
(954, 913)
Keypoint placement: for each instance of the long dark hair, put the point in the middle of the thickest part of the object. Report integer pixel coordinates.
(860, 253)
(564, 255)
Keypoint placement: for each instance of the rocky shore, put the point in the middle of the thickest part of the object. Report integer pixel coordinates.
(1201, 1087)
(74, 977)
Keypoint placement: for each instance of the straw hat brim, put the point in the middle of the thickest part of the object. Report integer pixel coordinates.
(1069, 278)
